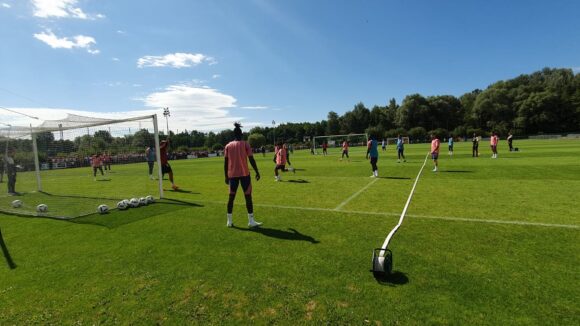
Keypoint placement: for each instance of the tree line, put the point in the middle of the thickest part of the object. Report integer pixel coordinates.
(546, 101)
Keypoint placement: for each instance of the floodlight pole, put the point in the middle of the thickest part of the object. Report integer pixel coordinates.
(166, 114)
(274, 131)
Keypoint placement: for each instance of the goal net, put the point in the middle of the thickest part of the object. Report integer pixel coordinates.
(334, 142)
(75, 164)
(393, 141)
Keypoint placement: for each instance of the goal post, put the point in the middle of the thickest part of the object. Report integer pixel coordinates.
(336, 140)
(393, 141)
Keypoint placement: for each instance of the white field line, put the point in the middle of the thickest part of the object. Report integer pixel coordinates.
(355, 195)
(445, 218)
(394, 230)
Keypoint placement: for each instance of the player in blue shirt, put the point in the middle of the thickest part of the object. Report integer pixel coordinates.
(373, 152)
(450, 143)
(400, 149)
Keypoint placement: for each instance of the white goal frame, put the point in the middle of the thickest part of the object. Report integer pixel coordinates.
(332, 136)
(64, 124)
(393, 141)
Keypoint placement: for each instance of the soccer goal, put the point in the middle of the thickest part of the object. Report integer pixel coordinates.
(335, 141)
(393, 141)
(75, 164)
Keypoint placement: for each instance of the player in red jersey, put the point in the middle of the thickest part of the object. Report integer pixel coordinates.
(435, 151)
(165, 167)
(236, 156)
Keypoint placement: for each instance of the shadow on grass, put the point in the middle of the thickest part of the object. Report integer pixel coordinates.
(99, 180)
(299, 181)
(77, 196)
(299, 169)
(456, 171)
(7, 256)
(183, 191)
(280, 234)
(395, 178)
(393, 279)
(116, 218)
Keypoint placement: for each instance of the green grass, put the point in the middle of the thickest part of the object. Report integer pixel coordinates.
(459, 257)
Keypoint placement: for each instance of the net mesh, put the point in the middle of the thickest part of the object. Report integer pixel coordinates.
(334, 142)
(84, 162)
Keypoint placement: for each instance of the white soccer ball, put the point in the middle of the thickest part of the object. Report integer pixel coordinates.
(122, 205)
(134, 202)
(150, 199)
(127, 202)
(143, 201)
(17, 203)
(103, 209)
(42, 208)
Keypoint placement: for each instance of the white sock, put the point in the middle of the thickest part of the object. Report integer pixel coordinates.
(376, 173)
(251, 217)
(230, 218)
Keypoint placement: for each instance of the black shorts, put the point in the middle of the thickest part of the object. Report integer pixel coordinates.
(166, 168)
(281, 167)
(246, 185)
(374, 160)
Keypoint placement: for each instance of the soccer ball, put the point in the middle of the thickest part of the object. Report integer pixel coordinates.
(127, 202)
(150, 199)
(103, 209)
(17, 203)
(143, 201)
(122, 205)
(42, 208)
(134, 202)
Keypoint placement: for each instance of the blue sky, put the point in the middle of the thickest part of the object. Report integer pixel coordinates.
(213, 62)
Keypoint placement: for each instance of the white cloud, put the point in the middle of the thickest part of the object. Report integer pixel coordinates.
(175, 60)
(6, 5)
(216, 76)
(115, 59)
(258, 107)
(121, 32)
(79, 41)
(60, 9)
(576, 69)
(192, 107)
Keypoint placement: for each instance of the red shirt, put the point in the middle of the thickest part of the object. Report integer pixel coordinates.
(280, 155)
(237, 152)
(163, 151)
(435, 146)
(96, 161)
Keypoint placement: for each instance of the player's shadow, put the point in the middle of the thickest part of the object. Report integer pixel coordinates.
(100, 180)
(281, 234)
(116, 218)
(6, 253)
(395, 178)
(299, 169)
(183, 191)
(299, 181)
(393, 279)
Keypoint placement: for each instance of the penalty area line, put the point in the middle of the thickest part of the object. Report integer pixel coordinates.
(355, 195)
(444, 218)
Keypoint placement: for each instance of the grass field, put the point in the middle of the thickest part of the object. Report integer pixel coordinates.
(485, 241)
